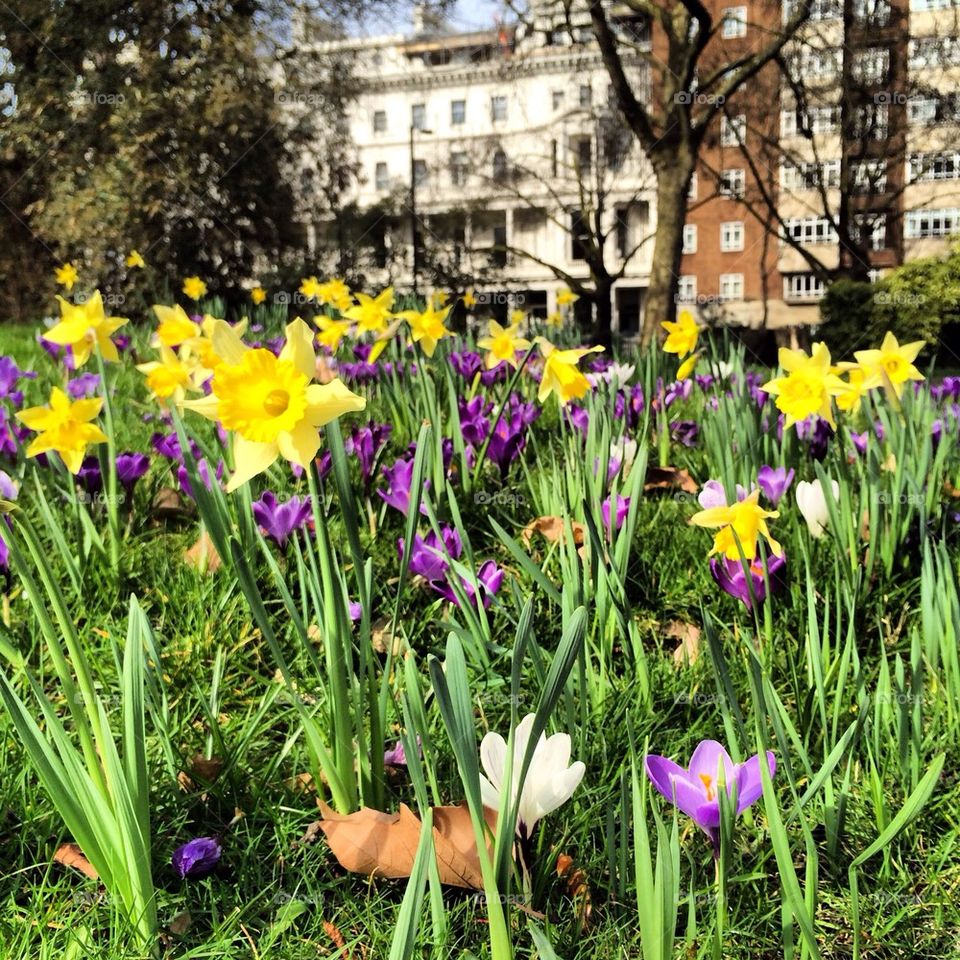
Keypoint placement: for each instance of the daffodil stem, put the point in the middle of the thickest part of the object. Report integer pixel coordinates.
(478, 466)
(113, 518)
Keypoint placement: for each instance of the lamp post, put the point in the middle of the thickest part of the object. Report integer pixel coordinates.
(414, 226)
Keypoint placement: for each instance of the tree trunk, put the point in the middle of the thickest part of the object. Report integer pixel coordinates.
(673, 187)
(603, 316)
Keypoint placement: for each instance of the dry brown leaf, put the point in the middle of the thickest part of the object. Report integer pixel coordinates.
(380, 844)
(381, 635)
(688, 634)
(551, 529)
(206, 768)
(669, 478)
(301, 783)
(203, 555)
(168, 503)
(70, 855)
(578, 887)
(180, 924)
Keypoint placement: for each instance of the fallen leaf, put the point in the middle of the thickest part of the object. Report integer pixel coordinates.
(70, 855)
(578, 887)
(301, 783)
(203, 555)
(551, 529)
(380, 844)
(669, 478)
(168, 503)
(381, 635)
(180, 924)
(207, 768)
(688, 634)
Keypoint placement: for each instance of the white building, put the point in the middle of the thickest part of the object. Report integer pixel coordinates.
(500, 139)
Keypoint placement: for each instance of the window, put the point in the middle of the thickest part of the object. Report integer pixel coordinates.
(868, 176)
(584, 157)
(733, 130)
(586, 95)
(802, 286)
(732, 183)
(934, 166)
(419, 172)
(458, 168)
(689, 238)
(692, 192)
(942, 109)
(819, 9)
(382, 176)
(458, 112)
(623, 231)
(871, 13)
(809, 62)
(557, 99)
(734, 22)
(500, 169)
(579, 236)
(869, 122)
(822, 119)
(933, 52)
(418, 116)
(379, 121)
(931, 223)
(554, 157)
(809, 176)
(870, 229)
(498, 257)
(731, 286)
(810, 230)
(871, 66)
(731, 236)
(687, 288)
(498, 109)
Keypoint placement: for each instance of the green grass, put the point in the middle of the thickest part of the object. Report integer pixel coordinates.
(851, 648)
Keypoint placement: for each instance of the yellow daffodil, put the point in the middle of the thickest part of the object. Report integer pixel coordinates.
(566, 297)
(809, 386)
(334, 292)
(427, 328)
(892, 363)
(194, 288)
(310, 287)
(175, 326)
(332, 332)
(469, 299)
(258, 295)
(682, 334)
(745, 521)
(271, 403)
(560, 373)
(857, 385)
(439, 298)
(66, 275)
(555, 319)
(502, 344)
(517, 317)
(688, 366)
(83, 325)
(371, 314)
(134, 260)
(169, 377)
(64, 427)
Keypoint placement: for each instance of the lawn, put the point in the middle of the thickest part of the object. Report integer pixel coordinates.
(480, 536)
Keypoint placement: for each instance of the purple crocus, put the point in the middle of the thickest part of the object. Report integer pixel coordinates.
(399, 477)
(774, 482)
(617, 514)
(196, 858)
(279, 519)
(396, 756)
(466, 363)
(130, 468)
(430, 554)
(86, 385)
(10, 376)
(489, 577)
(89, 476)
(366, 442)
(58, 353)
(695, 790)
(732, 578)
(506, 442)
(685, 432)
(474, 424)
(9, 491)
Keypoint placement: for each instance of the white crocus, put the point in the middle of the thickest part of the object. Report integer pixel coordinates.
(813, 505)
(550, 780)
(624, 452)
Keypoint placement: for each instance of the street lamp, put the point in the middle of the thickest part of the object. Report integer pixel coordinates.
(414, 226)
